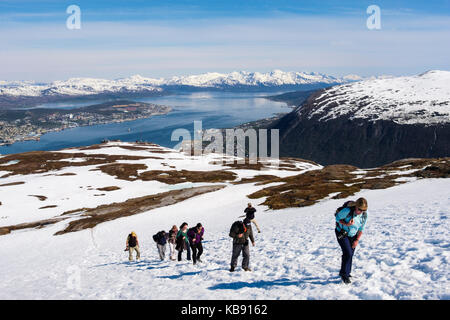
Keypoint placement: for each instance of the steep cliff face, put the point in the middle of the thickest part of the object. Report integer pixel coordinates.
(371, 123)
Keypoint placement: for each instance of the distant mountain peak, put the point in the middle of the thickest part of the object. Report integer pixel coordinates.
(423, 99)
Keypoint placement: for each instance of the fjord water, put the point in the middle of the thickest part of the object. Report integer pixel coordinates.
(214, 109)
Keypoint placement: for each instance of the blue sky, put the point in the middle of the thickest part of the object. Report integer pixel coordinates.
(166, 38)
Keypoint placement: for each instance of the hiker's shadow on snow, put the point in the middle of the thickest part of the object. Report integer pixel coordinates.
(177, 276)
(264, 284)
(190, 273)
(145, 264)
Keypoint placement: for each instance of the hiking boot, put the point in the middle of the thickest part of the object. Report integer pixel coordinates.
(247, 269)
(346, 280)
(232, 269)
(199, 260)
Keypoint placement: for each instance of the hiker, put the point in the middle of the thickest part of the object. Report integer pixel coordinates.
(240, 232)
(250, 214)
(132, 244)
(183, 241)
(195, 236)
(172, 241)
(351, 219)
(161, 240)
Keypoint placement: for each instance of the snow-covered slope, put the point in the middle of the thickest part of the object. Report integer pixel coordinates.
(78, 87)
(404, 252)
(423, 99)
(137, 83)
(243, 78)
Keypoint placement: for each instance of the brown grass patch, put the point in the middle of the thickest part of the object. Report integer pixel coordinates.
(90, 217)
(48, 207)
(129, 172)
(44, 161)
(262, 179)
(41, 198)
(30, 225)
(123, 171)
(110, 188)
(134, 148)
(246, 165)
(296, 160)
(103, 213)
(153, 150)
(174, 177)
(11, 183)
(310, 187)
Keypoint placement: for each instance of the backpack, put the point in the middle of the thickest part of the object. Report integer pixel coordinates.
(347, 204)
(180, 243)
(132, 241)
(159, 238)
(237, 225)
(250, 213)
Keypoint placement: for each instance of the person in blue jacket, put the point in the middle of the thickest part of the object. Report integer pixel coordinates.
(350, 223)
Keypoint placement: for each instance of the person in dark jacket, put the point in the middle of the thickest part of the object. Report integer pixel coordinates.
(183, 241)
(161, 240)
(195, 236)
(241, 231)
(132, 244)
(250, 214)
(172, 241)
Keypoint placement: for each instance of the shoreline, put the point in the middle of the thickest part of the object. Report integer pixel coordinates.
(36, 137)
(83, 115)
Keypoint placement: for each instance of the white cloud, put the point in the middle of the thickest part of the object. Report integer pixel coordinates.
(106, 49)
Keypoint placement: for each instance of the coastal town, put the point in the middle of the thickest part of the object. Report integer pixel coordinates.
(30, 124)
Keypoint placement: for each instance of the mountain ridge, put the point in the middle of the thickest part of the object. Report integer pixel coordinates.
(372, 122)
(135, 83)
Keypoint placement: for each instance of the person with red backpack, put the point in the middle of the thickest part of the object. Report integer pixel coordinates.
(250, 214)
(241, 231)
(351, 219)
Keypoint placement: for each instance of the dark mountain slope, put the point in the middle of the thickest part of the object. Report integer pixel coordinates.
(337, 126)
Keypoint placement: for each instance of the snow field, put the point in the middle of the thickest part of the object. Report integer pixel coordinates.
(403, 254)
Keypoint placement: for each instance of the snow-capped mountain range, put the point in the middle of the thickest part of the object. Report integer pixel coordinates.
(75, 87)
(269, 79)
(139, 84)
(420, 99)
